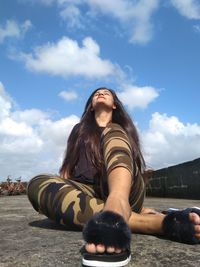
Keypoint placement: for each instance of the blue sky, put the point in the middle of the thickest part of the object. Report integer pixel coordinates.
(54, 53)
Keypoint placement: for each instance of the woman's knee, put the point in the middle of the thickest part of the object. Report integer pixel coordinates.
(63, 201)
(37, 186)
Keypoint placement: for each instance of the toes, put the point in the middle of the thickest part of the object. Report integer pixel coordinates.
(91, 248)
(110, 249)
(197, 236)
(100, 248)
(197, 229)
(113, 250)
(194, 218)
(118, 250)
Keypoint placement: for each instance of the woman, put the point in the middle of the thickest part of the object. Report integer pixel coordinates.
(101, 188)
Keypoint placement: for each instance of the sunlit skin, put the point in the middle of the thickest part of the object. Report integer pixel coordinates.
(119, 182)
(103, 105)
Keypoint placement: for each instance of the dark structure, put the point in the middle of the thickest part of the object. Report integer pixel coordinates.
(179, 181)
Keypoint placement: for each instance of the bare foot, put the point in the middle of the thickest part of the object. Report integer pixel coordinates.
(91, 248)
(116, 205)
(195, 218)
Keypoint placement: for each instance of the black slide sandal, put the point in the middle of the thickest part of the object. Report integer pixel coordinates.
(178, 227)
(110, 229)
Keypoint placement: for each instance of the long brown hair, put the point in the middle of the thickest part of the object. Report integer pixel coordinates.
(89, 131)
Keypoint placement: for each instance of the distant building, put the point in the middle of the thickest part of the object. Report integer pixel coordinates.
(178, 181)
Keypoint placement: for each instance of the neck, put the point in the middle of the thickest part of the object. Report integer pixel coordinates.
(103, 118)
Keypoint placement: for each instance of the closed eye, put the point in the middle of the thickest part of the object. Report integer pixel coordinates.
(104, 93)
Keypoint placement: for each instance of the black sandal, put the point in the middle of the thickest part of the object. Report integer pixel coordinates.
(110, 229)
(178, 227)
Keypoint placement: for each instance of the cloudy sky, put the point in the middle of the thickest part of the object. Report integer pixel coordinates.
(54, 53)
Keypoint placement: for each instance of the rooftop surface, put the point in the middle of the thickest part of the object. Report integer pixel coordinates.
(30, 239)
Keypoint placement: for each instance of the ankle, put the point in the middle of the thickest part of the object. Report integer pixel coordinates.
(118, 205)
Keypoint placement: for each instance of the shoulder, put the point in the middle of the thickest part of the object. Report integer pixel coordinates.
(74, 129)
(76, 126)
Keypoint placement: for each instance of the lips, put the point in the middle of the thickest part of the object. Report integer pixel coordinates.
(101, 97)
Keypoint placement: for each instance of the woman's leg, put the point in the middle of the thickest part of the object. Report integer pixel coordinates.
(123, 176)
(118, 159)
(120, 169)
(146, 223)
(65, 201)
(117, 153)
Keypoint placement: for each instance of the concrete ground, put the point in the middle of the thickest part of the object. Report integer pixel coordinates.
(30, 239)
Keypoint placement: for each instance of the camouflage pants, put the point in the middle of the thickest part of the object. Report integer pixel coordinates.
(71, 203)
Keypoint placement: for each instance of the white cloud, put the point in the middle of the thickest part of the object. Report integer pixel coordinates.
(13, 29)
(134, 96)
(66, 58)
(13, 128)
(68, 95)
(188, 8)
(72, 15)
(30, 116)
(196, 28)
(42, 2)
(61, 2)
(30, 141)
(46, 2)
(5, 103)
(134, 16)
(168, 141)
(55, 132)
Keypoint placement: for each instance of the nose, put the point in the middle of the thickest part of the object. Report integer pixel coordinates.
(101, 93)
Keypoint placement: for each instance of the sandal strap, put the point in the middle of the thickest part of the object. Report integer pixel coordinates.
(178, 227)
(108, 228)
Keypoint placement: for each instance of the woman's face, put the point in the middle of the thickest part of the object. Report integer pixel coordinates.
(103, 98)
